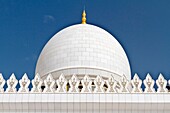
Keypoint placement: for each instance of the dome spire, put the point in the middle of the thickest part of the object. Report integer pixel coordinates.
(84, 17)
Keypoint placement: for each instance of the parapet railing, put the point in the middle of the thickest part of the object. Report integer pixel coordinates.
(85, 85)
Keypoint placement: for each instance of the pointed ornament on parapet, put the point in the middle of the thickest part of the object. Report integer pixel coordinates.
(136, 83)
(161, 83)
(49, 84)
(24, 83)
(124, 84)
(74, 83)
(36, 83)
(99, 83)
(111, 85)
(149, 84)
(61, 83)
(2, 83)
(11, 84)
(86, 82)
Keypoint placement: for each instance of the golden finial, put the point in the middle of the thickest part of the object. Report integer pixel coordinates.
(84, 17)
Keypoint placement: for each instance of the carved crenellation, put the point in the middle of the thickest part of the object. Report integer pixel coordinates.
(111, 85)
(149, 84)
(74, 83)
(61, 82)
(84, 85)
(99, 83)
(124, 83)
(136, 84)
(36, 83)
(86, 81)
(161, 83)
(24, 83)
(12, 83)
(49, 84)
(2, 83)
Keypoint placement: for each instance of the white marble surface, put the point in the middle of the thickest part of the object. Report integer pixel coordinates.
(85, 103)
(83, 49)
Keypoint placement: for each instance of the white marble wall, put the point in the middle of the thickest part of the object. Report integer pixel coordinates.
(84, 103)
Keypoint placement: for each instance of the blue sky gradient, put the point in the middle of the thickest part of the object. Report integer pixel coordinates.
(141, 26)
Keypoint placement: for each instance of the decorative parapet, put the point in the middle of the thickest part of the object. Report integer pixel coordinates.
(12, 83)
(24, 83)
(161, 83)
(136, 84)
(36, 83)
(74, 83)
(149, 84)
(49, 84)
(2, 83)
(99, 83)
(85, 85)
(111, 85)
(61, 83)
(124, 83)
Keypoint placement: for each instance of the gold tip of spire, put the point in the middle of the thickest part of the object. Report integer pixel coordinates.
(84, 17)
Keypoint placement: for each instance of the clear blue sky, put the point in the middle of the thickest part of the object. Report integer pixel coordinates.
(141, 26)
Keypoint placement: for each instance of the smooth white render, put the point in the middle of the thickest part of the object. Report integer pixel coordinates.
(83, 49)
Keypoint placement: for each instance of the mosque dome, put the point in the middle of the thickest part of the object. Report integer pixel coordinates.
(83, 49)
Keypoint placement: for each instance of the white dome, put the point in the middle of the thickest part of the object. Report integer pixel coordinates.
(83, 49)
